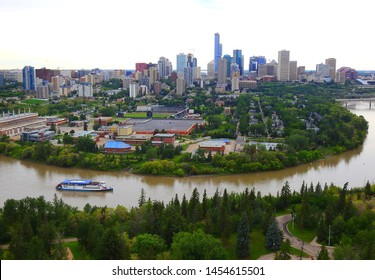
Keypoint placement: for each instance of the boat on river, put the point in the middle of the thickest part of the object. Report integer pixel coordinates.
(83, 186)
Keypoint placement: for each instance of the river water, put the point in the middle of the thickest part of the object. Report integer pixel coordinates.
(20, 179)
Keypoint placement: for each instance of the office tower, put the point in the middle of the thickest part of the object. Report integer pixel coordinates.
(331, 62)
(283, 66)
(322, 70)
(293, 71)
(255, 61)
(188, 76)
(211, 69)
(191, 61)
(181, 63)
(238, 59)
(222, 71)
(229, 62)
(180, 86)
(268, 69)
(29, 78)
(218, 51)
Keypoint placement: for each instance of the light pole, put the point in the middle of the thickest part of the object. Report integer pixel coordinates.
(292, 218)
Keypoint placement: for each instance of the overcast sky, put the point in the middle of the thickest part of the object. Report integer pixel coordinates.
(115, 34)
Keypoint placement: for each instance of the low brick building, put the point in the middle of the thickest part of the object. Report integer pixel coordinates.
(163, 138)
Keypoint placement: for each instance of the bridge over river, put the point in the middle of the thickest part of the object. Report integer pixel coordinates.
(345, 101)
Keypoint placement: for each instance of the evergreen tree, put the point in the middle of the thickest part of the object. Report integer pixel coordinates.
(274, 236)
(243, 237)
(142, 198)
(285, 196)
(323, 253)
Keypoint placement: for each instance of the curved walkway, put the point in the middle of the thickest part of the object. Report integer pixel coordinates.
(311, 249)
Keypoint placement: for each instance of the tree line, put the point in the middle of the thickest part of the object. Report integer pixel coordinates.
(195, 227)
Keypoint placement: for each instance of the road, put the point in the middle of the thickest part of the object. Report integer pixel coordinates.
(312, 249)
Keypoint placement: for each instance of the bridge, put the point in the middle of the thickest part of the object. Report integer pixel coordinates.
(345, 101)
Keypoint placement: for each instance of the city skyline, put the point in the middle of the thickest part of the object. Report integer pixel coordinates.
(71, 34)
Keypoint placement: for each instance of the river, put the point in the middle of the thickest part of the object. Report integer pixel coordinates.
(20, 179)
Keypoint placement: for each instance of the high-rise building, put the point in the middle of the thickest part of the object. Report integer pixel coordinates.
(29, 78)
(235, 83)
(211, 69)
(218, 51)
(180, 86)
(331, 62)
(191, 61)
(85, 90)
(234, 70)
(196, 73)
(229, 62)
(238, 59)
(222, 71)
(188, 76)
(255, 61)
(283, 66)
(164, 67)
(322, 70)
(181, 63)
(133, 90)
(293, 70)
(268, 69)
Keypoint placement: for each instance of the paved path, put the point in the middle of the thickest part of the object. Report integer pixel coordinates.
(311, 249)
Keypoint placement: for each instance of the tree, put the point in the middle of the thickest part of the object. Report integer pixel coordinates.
(285, 196)
(197, 246)
(323, 253)
(274, 236)
(243, 237)
(86, 144)
(113, 245)
(284, 253)
(148, 246)
(142, 198)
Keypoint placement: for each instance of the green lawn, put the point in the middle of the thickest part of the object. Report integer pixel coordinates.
(303, 234)
(257, 245)
(34, 101)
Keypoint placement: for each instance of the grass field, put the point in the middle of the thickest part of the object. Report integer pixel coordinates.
(34, 101)
(303, 234)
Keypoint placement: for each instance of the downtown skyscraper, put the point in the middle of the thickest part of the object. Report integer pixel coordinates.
(218, 51)
(29, 78)
(283, 66)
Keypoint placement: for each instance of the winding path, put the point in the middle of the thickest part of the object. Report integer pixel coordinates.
(311, 248)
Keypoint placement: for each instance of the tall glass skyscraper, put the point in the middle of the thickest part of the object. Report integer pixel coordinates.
(218, 50)
(29, 78)
(238, 59)
(181, 63)
(255, 61)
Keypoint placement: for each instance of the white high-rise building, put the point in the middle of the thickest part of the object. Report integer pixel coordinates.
(85, 90)
(283, 66)
(133, 90)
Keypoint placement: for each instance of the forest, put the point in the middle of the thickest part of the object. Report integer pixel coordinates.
(224, 226)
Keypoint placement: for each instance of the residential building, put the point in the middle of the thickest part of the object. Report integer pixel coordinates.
(42, 91)
(180, 86)
(346, 74)
(283, 66)
(235, 83)
(268, 69)
(133, 90)
(140, 66)
(29, 78)
(188, 76)
(164, 67)
(211, 70)
(218, 49)
(85, 90)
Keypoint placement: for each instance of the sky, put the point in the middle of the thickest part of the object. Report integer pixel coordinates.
(115, 34)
